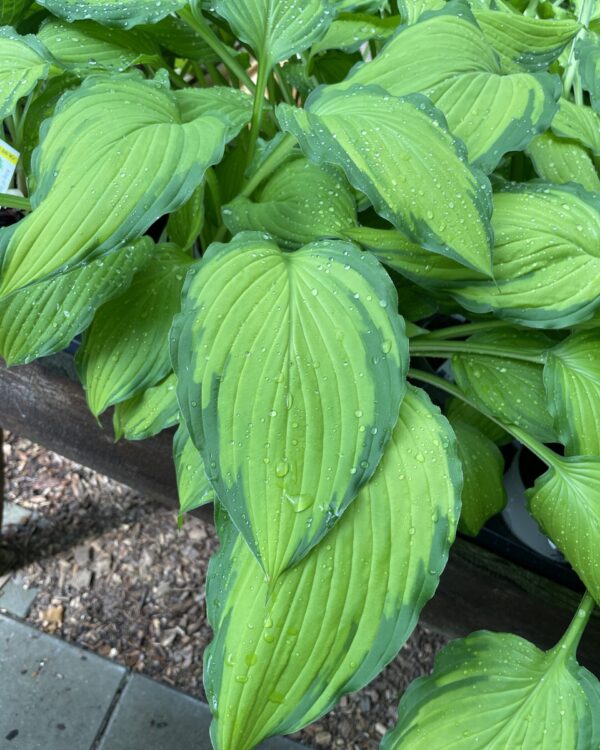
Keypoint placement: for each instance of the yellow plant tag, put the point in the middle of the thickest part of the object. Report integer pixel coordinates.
(8, 162)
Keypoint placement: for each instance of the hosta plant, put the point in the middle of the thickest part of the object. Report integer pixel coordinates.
(349, 250)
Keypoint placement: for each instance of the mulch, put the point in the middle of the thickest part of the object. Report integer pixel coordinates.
(116, 576)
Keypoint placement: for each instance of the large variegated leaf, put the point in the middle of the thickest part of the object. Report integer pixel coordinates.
(498, 691)
(300, 359)
(483, 493)
(411, 260)
(117, 154)
(126, 349)
(124, 13)
(572, 379)
(546, 257)
(281, 659)
(192, 483)
(23, 62)
(579, 123)
(276, 29)
(566, 503)
(300, 203)
(446, 56)
(525, 43)
(411, 10)
(147, 413)
(86, 46)
(399, 153)
(560, 160)
(44, 317)
(510, 389)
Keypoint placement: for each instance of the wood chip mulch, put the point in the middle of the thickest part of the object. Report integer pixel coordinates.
(117, 577)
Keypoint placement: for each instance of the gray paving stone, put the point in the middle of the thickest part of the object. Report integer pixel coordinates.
(15, 599)
(150, 716)
(53, 696)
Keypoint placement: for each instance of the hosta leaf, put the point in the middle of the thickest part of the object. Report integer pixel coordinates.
(126, 349)
(41, 108)
(483, 493)
(459, 411)
(299, 357)
(23, 62)
(124, 13)
(178, 37)
(572, 379)
(192, 483)
(301, 202)
(276, 29)
(411, 10)
(350, 30)
(185, 224)
(525, 43)
(231, 106)
(446, 56)
(279, 662)
(148, 412)
(546, 257)
(587, 53)
(411, 260)
(12, 10)
(579, 123)
(495, 691)
(494, 114)
(398, 152)
(559, 160)
(510, 389)
(87, 46)
(366, 6)
(566, 503)
(117, 154)
(45, 316)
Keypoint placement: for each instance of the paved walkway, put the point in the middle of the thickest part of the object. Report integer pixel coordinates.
(55, 696)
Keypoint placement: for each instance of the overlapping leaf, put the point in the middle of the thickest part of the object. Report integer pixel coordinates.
(350, 30)
(45, 316)
(300, 203)
(483, 493)
(291, 372)
(447, 57)
(117, 154)
(510, 389)
(587, 52)
(560, 160)
(276, 29)
(578, 122)
(566, 503)
(147, 413)
(572, 379)
(459, 411)
(411, 10)
(126, 349)
(23, 62)
(546, 258)
(192, 483)
(398, 152)
(523, 42)
(124, 13)
(281, 659)
(185, 224)
(12, 11)
(495, 691)
(87, 46)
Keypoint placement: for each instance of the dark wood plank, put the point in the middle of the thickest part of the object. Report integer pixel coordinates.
(45, 403)
(478, 590)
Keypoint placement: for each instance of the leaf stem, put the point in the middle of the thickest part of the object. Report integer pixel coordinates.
(571, 68)
(14, 201)
(257, 109)
(195, 19)
(465, 329)
(570, 641)
(548, 456)
(426, 348)
(269, 165)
